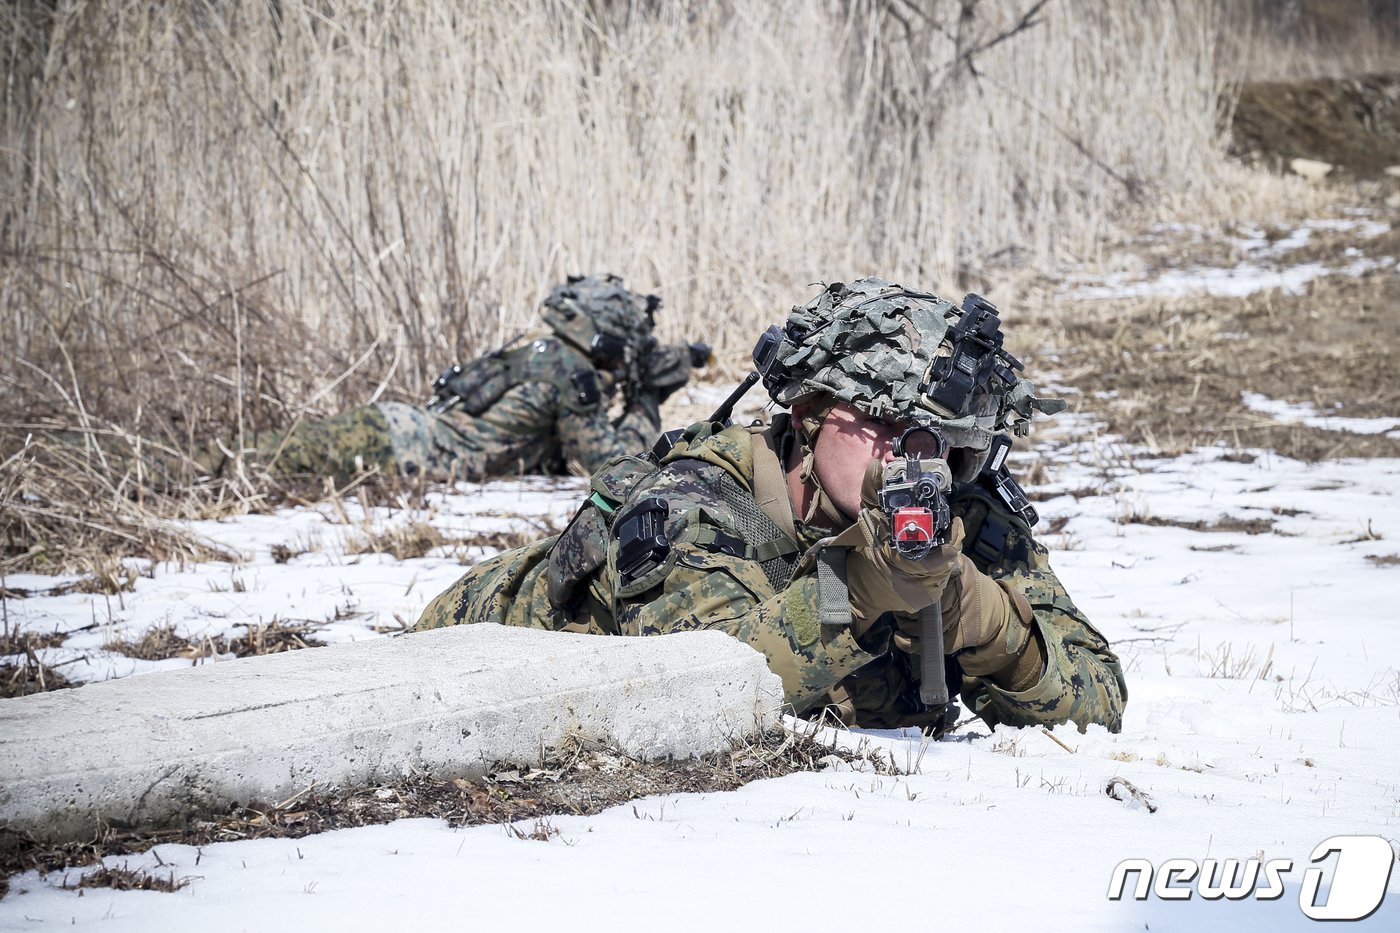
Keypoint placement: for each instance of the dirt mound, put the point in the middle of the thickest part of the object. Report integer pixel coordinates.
(1352, 123)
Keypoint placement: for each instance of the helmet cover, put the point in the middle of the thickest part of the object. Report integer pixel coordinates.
(601, 317)
(893, 352)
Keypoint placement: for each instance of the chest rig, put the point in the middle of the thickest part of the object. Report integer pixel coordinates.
(760, 526)
(475, 386)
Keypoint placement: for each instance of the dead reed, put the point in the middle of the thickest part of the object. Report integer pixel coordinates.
(217, 219)
(229, 215)
(1172, 373)
(165, 641)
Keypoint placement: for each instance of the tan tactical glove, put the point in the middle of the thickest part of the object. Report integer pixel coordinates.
(878, 578)
(987, 623)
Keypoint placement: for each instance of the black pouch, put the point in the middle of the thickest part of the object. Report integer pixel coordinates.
(583, 546)
(586, 391)
(641, 536)
(608, 350)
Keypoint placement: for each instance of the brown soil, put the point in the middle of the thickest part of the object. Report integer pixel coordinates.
(1352, 123)
(1250, 526)
(1170, 372)
(29, 677)
(126, 879)
(23, 673)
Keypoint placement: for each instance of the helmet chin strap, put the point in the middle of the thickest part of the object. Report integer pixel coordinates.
(806, 429)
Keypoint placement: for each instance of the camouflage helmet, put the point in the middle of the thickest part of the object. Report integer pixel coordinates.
(905, 355)
(600, 317)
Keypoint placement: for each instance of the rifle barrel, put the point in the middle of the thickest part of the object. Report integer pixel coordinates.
(726, 407)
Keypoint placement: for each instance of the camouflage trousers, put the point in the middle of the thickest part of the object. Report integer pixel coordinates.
(401, 438)
(392, 437)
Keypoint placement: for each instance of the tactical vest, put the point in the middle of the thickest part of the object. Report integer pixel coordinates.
(644, 555)
(994, 535)
(479, 384)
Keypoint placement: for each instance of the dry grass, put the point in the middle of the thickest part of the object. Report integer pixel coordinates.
(579, 779)
(1229, 663)
(525, 529)
(68, 508)
(415, 537)
(222, 218)
(27, 642)
(403, 185)
(156, 644)
(1290, 40)
(1169, 373)
(403, 540)
(1228, 523)
(22, 673)
(272, 637)
(28, 677)
(125, 879)
(163, 641)
(219, 219)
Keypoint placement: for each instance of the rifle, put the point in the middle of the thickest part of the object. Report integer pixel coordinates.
(473, 386)
(914, 494)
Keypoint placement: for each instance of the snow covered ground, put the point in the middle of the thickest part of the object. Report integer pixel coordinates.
(1253, 600)
(320, 581)
(1264, 263)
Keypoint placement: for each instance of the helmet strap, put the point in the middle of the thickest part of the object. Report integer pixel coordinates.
(806, 429)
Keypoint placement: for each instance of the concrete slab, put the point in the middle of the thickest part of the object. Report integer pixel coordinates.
(152, 750)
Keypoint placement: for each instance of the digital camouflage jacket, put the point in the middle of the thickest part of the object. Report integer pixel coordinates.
(731, 566)
(545, 406)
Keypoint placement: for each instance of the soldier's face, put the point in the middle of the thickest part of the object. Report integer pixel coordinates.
(847, 441)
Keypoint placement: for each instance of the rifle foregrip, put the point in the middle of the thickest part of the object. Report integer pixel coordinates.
(933, 681)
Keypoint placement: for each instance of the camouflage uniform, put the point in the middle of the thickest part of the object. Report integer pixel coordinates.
(534, 407)
(538, 425)
(704, 535)
(732, 568)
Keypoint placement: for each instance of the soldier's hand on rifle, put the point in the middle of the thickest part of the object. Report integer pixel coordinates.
(987, 624)
(701, 354)
(878, 577)
(665, 368)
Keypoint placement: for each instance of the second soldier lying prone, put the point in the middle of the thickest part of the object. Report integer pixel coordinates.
(536, 406)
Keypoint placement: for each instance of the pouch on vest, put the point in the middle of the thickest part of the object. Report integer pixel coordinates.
(644, 555)
(583, 546)
(993, 536)
(580, 550)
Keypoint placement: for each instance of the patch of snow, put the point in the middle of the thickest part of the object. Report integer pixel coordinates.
(346, 596)
(1259, 270)
(1306, 413)
(1242, 279)
(1264, 717)
(1366, 229)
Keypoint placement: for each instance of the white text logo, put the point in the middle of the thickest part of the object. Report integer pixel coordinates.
(1358, 872)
